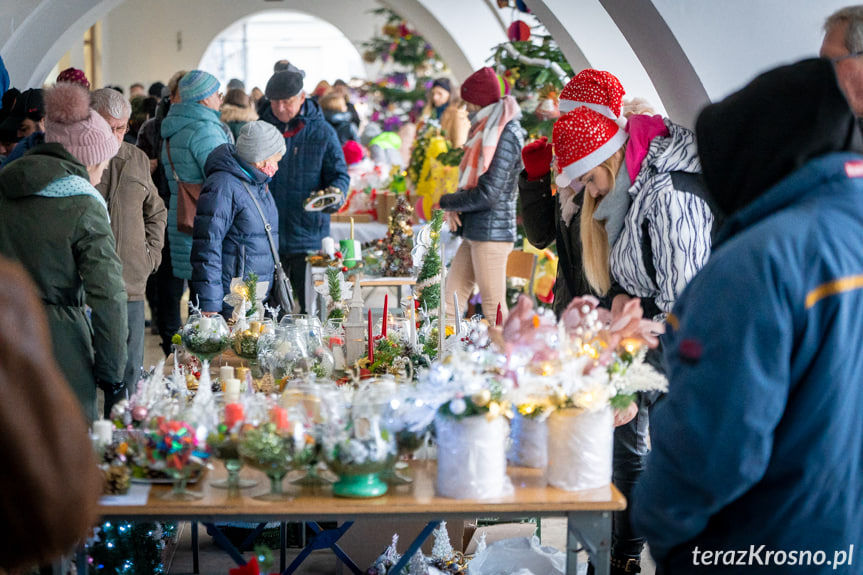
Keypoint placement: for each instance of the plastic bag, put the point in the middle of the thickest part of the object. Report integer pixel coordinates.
(528, 442)
(472, 457)
(519, 556)
(580, 448)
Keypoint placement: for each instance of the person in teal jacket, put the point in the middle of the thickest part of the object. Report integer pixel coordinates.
(757, 461)
(193, 129)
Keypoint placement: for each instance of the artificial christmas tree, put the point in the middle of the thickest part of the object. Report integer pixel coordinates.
(398, 261)
(428, 279)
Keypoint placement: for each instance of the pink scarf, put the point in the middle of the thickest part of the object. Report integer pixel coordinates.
(482, 140)
(642, 130)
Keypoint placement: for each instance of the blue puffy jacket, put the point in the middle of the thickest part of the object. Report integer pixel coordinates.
(194, 131)
(229, 236)
(759, 441)
(313, 160)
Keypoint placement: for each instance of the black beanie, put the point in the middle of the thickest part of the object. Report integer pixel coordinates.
(284, 85)
(442, 83)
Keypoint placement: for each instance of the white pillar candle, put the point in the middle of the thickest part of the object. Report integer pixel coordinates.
(205, 324)
(226, 372)
(232, 386)
(338, 358)
(328, 246)
(104, 431)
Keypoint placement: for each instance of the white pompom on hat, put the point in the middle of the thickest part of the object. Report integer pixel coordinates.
(583, 139)
(595, 89)
(69, 121)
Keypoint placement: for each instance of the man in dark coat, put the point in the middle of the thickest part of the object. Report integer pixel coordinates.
(313, 161)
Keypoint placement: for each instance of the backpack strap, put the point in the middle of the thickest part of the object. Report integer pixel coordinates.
(687, 183)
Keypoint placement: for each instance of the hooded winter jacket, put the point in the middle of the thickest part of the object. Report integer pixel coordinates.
(236, 117)
(678, 223)
(193, 131)
(229, 236)
(313, 161)
(66, 245)
(488, 210)
(758, 447)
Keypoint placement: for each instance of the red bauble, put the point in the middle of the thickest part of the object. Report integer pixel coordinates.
(518, 31)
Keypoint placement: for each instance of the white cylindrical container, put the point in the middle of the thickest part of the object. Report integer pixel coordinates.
(528, 445)
(580, 448)
(104, 431)
(472, 457)
(328, 246)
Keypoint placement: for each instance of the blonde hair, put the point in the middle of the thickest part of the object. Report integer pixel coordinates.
(333, 102)
(595, 253)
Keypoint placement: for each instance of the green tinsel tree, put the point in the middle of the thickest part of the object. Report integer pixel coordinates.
(124, 548)
(428, 280)
(398, 261)
(337, 310)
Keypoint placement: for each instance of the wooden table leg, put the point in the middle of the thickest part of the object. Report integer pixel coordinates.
(590, 531)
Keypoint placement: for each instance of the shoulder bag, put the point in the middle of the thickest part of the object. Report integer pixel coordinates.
(187, 198)
(280, 292)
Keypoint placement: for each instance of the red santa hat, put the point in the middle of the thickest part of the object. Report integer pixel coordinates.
(598, 90)
(583, 139)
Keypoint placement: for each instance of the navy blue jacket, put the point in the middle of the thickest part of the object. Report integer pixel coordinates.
(313, 160)
(760, 438)
(229, 239)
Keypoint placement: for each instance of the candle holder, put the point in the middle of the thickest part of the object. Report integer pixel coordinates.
(224, 444)
(319, 402)
(275, 447)
(359, 449)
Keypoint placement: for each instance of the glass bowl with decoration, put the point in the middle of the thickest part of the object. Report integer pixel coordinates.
(205, 336)
(359, 447)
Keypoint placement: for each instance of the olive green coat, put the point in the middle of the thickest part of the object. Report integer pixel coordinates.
(67, 247)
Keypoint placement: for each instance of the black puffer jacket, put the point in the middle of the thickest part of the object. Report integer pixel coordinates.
(540, 215)
(488, 211)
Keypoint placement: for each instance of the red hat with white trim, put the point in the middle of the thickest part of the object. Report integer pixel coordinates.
(598, 90)
(583, 139)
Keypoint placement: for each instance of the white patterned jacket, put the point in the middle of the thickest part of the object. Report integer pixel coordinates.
(678, 223)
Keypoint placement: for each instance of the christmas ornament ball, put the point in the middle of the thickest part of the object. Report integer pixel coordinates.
(139, 413)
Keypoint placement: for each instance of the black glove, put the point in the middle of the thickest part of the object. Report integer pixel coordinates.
(108, 387)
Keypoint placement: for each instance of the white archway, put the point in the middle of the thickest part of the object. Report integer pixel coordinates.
(248, 48)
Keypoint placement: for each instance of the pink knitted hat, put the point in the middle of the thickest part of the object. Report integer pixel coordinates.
(583, 139)
(598, 90)
(70, 121)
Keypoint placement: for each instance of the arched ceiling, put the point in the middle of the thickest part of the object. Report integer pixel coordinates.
(677, 54)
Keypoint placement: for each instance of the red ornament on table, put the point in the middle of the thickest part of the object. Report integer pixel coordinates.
(498, 320)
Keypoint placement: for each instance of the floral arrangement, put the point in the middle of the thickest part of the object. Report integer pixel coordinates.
(605, 348)
(205, 337)
(468, 382)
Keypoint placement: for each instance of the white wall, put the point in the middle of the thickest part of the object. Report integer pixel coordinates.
(731, 41)
(141, 40)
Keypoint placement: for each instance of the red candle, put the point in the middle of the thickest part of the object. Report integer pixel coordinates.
(279, 416)
(499, 318)
(384, 323)
(371, 340)
(233, 414)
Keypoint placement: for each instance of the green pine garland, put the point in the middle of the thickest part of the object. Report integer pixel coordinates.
(429, 296)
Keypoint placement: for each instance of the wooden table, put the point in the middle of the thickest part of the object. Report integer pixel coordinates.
(588, 512)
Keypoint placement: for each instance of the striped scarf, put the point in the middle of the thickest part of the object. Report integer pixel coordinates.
(482, 141)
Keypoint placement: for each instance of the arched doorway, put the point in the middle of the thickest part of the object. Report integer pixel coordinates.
(248, 48)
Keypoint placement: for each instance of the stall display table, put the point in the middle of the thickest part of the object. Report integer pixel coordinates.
(588, 512)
